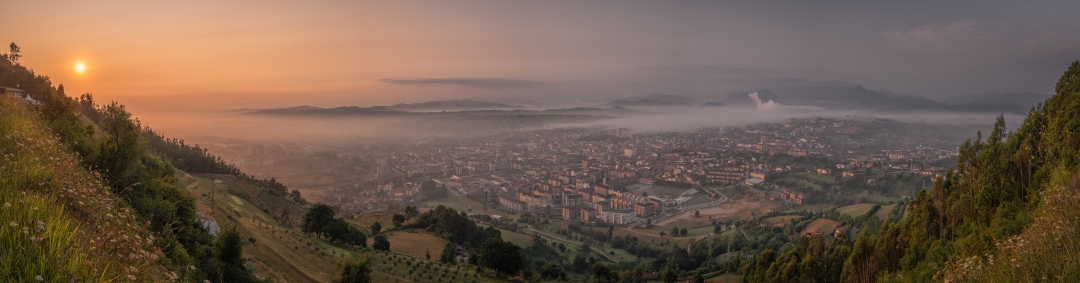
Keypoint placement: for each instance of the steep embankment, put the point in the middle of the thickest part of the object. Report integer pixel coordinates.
(60, 223)
(91, 169)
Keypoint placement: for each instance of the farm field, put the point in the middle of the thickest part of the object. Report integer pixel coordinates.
(885, 211)
(781, 219)
(412, 243)
(856, 210)
(725, 278)
(519, 239)
(825, 225)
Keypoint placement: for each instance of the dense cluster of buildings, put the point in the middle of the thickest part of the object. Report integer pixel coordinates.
(590, 174)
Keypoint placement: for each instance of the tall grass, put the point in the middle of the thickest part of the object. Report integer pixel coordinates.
(59, 223)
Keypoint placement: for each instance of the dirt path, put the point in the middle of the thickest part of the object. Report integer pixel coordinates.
(695, 242)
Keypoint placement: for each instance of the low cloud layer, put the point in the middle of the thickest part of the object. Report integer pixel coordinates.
(691, 119)
(468, 82)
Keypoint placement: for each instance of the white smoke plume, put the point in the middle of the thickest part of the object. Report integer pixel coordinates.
(767, 105)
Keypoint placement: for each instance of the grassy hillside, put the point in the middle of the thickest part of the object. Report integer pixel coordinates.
(74, 165)
(60, 223)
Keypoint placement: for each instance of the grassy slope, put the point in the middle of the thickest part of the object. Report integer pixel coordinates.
(59, 222)
(885, 211)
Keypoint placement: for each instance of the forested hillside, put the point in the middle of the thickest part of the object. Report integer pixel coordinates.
(1009, 211)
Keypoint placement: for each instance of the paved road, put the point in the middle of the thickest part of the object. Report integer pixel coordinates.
(665, 219)
(572, 243)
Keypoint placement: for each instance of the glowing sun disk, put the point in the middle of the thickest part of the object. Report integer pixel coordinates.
(80, 67)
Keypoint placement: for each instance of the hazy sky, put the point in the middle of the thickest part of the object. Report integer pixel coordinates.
(232, 54)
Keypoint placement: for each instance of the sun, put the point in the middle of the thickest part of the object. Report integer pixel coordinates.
(80, 67)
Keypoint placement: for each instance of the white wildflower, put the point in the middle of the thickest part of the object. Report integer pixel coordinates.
(13, 224)
(39, 278)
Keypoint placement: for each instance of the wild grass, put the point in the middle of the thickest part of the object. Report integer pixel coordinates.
(1048, 250)
(60, 223)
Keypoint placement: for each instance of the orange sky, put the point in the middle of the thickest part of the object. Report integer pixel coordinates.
(246, 53)
(139, 50)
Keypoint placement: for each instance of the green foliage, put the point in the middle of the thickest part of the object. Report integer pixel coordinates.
(376, 227)
(320, 220)
(448, 255)
(398, 219)
(503, 257)
(454, 226)
(603, 273)
(380, 243)
(668, 276)
(550, 271)
(319, 216)
(355, 271)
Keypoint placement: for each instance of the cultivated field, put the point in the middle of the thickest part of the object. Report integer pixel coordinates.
(414, 244)
(856, 210)
(825, 225)
(781, 219)
(885, 211)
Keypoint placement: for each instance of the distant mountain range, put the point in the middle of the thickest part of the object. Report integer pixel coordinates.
(460, 104)
(655, 99)
(387, 111)
(846, 96)
(336, 111)
(831, 95)
(713, 104)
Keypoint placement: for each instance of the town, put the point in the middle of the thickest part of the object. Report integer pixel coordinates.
(597, 175)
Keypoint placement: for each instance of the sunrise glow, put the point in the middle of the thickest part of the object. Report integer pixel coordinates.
(80, 67)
